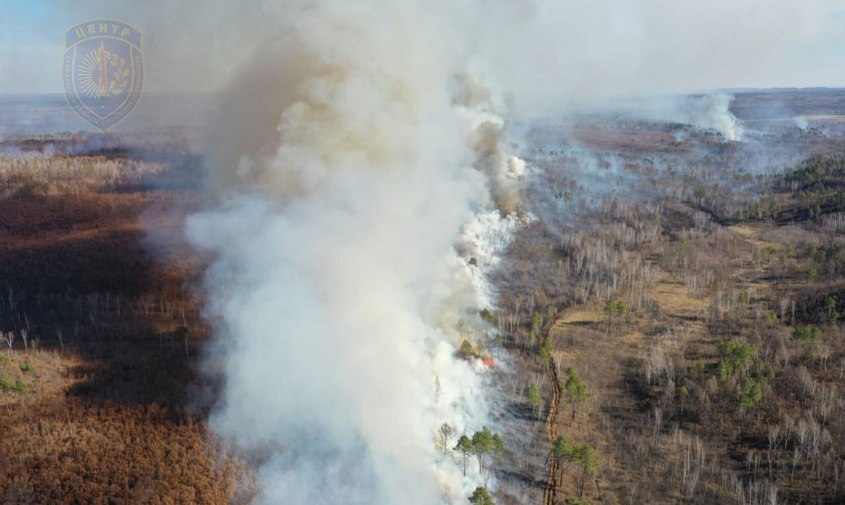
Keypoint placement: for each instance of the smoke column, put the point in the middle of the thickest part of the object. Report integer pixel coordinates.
(336, 282)
(705, 111)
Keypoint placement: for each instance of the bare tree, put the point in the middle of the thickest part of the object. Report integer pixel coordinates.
(9, 338)
(59, 335)
(824, 354)
(446, 433)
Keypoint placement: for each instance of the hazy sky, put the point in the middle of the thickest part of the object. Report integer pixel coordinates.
(31, 41)
(30, 59)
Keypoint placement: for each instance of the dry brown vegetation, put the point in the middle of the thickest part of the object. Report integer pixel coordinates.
(702, 310)
(96, 361)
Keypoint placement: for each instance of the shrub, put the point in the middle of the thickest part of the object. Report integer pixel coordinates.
(562, 448)
(481, 497)
(806, 333)
(20, 387)
(6, 384)
(545, 351)
(535, 398)
(467, 349)
(750, 394)
(487, 316)
(736, 358)
(575, 501)
(536, 323)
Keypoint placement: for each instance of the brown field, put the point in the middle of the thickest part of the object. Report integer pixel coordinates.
(97, 409)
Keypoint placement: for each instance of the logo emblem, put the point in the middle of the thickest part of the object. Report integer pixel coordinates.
(103, 70)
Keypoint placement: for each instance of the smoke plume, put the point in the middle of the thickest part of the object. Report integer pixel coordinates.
(336, 278)
(706, 112)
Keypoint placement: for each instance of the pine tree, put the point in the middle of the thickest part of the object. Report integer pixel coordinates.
(535, 399)
(464, 446)
(575, 388)
(481, 497)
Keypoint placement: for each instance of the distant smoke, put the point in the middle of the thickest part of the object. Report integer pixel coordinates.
(713, 112)
(706, 112)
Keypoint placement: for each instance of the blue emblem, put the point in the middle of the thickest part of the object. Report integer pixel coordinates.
(103, 70)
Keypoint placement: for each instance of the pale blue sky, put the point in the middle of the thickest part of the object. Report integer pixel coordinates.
(31, 47)
(32, 43)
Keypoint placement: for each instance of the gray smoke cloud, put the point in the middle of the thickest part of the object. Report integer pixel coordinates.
(336, 279)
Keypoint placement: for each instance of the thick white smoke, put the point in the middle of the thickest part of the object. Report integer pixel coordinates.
(705, 111)
(336, 281)
(713, 112)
